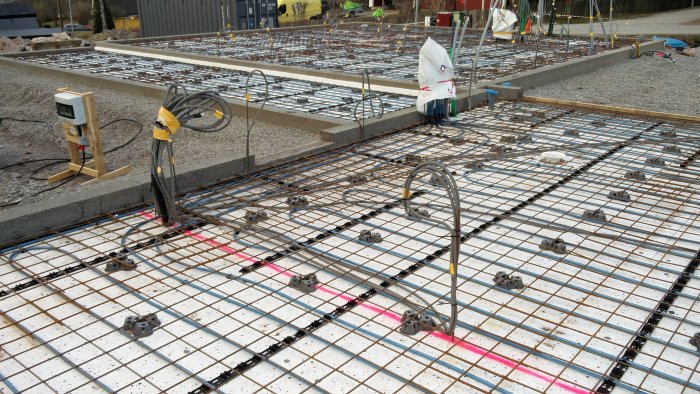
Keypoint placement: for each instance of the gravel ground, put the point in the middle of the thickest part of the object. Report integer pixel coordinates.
(27, 96)
(650, 83)
(647, 83)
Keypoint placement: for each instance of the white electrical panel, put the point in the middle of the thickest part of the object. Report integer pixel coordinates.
(70, 108)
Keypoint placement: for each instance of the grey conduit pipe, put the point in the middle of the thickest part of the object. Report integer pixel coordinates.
(367, 95)
(249, 125)
(440, 172)
(455, 54)
(478, 51)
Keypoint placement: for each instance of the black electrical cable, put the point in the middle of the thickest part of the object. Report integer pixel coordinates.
(129, 141)
(82, 165)
(48, 125)
(657, 54)
(33, 176)
(186, 108)
(30, 161)
(63, 160)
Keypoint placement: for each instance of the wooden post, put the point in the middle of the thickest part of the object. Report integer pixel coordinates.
(96, 167)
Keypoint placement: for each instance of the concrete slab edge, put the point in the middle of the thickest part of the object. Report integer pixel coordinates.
(23, 222)
(378, 83)
(290, 155)
(394, 121)
(557, 72)
(350, 133)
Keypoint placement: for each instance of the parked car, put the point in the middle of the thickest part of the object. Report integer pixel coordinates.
(71, 27)
(350, 10)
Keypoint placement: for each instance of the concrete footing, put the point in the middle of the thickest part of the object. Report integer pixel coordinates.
(21, 222)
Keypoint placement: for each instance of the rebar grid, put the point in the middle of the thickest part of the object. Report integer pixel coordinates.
(320, 99)
(565, 331)
(389, 51)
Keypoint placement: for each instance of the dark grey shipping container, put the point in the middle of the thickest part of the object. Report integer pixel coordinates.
(176, 17)
(254, 14)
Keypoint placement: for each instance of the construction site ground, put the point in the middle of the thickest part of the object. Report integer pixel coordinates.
(572, 271)
(684, 22)
(650, 82)
(647, 83)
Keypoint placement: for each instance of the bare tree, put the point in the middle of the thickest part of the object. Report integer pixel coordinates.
(405, 8)
(43, 10)
(60, 13)
(103, 14)
(82, 11)
(438, 5)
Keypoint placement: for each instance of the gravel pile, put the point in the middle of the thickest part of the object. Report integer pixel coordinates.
(650, 83)
(113, 35)
(27, 96)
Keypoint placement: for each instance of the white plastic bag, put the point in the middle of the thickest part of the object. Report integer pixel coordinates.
(503, 21)
(553, 157)
(435, 75)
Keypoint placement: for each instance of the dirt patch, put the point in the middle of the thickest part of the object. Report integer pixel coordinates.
(650, 82)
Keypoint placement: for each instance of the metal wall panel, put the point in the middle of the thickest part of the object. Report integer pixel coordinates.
(173, 17)
(250, 13)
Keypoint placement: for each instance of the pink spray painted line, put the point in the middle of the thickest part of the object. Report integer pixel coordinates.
(208, 241)
(380, 311)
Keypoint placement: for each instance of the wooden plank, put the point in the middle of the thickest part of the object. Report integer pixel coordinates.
(610, 108)
(96, 167)
(110, 175)
(72, 147)
(36, 46)
(60, 176)
(87, 171)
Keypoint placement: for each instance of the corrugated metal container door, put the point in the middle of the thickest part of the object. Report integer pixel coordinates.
(252, 12)
(173, 17)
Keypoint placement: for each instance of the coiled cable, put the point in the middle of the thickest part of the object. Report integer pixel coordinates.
(180, 110)
(444, 179)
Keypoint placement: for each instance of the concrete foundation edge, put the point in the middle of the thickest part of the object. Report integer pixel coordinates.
(24, 222)
(557, 72)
